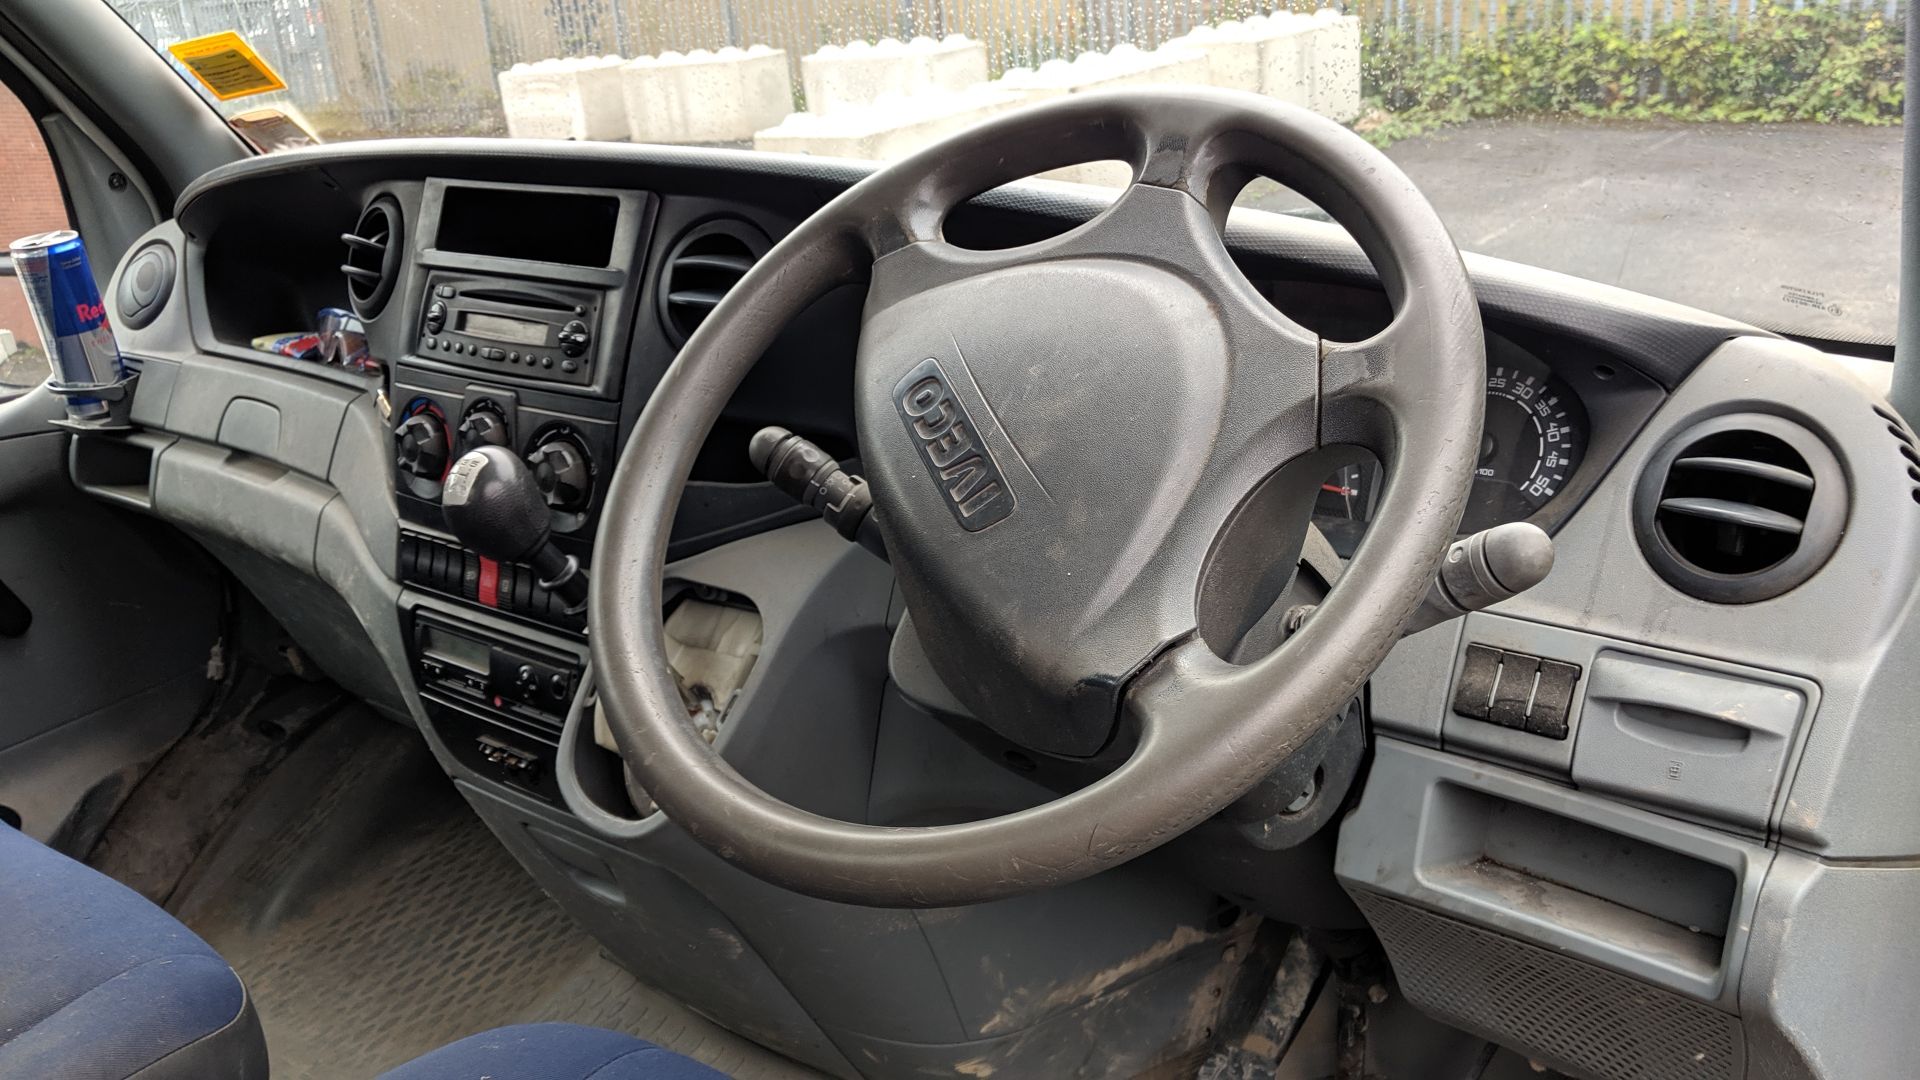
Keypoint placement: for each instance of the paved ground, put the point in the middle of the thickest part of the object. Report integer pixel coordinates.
(1788, 225)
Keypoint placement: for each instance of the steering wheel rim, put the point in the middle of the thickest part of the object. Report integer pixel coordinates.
(1206, 730)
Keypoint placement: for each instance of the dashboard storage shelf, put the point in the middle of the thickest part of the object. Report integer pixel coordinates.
(1657, 900)
(1605, 910)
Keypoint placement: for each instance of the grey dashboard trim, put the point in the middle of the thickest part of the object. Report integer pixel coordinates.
(1399, 841)
(1664, 340)
(1849, 795)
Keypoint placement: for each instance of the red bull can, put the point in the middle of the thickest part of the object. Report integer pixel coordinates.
(72, 319)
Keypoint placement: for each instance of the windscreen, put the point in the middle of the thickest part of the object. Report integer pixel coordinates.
(1741, 156)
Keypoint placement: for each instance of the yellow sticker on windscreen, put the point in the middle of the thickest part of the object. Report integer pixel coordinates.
(226, 65)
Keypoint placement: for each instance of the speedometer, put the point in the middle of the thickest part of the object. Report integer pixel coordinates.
(1534, 437)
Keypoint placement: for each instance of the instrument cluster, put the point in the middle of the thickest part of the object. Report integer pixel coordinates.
(1535, 437)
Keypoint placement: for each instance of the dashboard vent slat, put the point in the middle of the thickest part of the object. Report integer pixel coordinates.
(373, 256)
(1778, 474)
(735, 264)
(1740, 508)
(702, 298)
(703, 265)
(1904, 441)
(1733, 513)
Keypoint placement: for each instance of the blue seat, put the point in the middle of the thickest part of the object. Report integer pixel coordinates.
(552, 1052)
(98, 983)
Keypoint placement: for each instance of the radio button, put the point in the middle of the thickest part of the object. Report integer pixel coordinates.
(569, 365)
(513, 358)
(443, 290)
(546, 361)
(495, 354)
(432, 343)
(573, 338)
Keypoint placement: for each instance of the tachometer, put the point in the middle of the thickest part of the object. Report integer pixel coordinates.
(1534, 437)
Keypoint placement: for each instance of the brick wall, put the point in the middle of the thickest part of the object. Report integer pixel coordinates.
(30, 202)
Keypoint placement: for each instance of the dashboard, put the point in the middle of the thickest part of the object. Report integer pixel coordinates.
(537, 316)
(531, 296)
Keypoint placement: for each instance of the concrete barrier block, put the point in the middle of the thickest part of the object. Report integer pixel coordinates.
(889, 129)
(1334, 88)
(859, 74)
(1232, 52)
(705, 97)
(571, 98)
(1126, 65)
(953, 64)
(1285, 42)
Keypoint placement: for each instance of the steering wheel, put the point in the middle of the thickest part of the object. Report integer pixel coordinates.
(1059, 436)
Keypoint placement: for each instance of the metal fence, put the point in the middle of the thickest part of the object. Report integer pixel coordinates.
(368, 67)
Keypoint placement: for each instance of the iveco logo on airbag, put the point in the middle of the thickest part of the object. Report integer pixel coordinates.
(969, 478)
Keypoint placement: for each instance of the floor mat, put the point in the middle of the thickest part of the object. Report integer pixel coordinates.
(373, 917)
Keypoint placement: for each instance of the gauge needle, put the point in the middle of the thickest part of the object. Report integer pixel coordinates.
(1339, 490)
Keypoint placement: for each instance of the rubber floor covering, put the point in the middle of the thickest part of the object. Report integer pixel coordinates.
(413, 928)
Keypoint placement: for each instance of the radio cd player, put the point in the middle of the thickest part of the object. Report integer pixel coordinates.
(511, 328)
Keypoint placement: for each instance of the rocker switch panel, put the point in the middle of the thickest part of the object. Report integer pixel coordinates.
(1516, 690)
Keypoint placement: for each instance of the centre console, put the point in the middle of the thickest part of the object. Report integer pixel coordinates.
(522, 310)
(519, 315)
(498, 698)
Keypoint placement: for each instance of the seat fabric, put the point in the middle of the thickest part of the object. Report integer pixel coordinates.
(98, 983)
(552, 1052)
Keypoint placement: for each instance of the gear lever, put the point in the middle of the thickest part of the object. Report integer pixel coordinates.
(493, 504)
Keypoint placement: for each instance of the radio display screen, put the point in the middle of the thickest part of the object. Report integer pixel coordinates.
(501, 328)
(539, 226)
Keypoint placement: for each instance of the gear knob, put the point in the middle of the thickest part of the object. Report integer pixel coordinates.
(493, 504)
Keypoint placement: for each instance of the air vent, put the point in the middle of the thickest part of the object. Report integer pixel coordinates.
(373, 256)
(1740, 508)
(1909, 449)
(702, 266)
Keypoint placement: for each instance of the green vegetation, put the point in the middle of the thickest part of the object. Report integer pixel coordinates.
(1818, 63)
